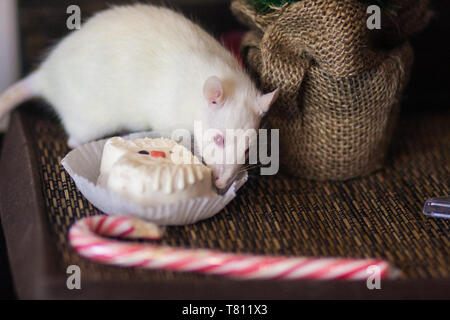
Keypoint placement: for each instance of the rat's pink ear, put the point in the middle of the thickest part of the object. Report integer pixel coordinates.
(213, 91)
(265, 101)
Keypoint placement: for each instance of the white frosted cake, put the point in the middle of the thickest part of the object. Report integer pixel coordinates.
(153, 171)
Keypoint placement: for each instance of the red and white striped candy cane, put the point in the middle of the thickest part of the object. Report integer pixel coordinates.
(87, 236)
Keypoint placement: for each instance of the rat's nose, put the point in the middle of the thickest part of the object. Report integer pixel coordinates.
(220, 183)
(217, 176)
(219, 180)
(222, 177)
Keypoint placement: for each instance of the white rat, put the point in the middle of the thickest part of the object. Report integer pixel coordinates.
(144, 67)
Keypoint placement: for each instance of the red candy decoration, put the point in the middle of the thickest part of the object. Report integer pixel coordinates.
(158, 154)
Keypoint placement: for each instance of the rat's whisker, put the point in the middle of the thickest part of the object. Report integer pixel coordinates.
(252, 166)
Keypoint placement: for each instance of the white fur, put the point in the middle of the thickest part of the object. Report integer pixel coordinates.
(142, 67)
(16, 94)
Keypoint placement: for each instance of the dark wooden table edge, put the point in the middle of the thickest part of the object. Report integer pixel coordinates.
(37, 276)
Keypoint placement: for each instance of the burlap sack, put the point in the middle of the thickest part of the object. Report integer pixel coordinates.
(339, 94)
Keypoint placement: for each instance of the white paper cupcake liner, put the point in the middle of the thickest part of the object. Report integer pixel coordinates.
(83, 166)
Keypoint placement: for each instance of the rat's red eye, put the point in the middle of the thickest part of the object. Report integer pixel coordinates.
(219, 140)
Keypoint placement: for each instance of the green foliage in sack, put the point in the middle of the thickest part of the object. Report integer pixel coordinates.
(266, 6)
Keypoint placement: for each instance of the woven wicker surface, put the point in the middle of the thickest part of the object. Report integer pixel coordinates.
(376, 216)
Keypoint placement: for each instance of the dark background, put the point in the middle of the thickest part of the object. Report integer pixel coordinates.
(43, 22)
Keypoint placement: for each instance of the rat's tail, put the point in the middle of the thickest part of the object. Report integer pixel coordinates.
(19, 92)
